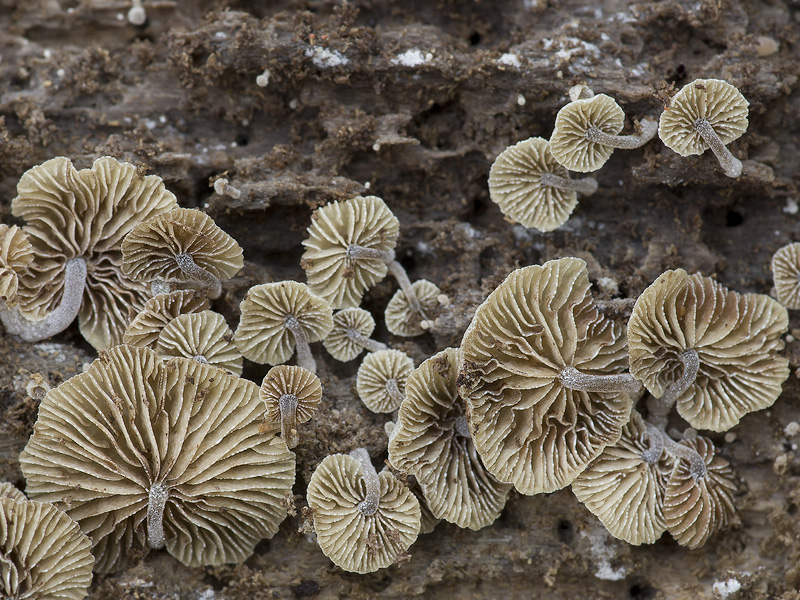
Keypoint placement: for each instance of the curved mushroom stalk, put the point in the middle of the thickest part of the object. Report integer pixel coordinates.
(192, 270)
(304, 357)
(731, 165)
(396, 270)
(288, 405)
(393, 389)
(369, 506)
(649, 127)
(586, 186)
(157, 500)
(60, 318)
(659, 407)
(621, 382)
(367, 343)
(661, 439)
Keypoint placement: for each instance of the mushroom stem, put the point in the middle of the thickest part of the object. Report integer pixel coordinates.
(368, 344)
(586, 186)
(198, 273)
(200, 359)
(304, 357)
(621, 382)
(731, 165)
(57, 320)
(661, 439)
(159, 494)
(658, 408)
(288, 405)
(369, 506)
(396, 270)
(394, 391)
(649, 127)
(462, 427)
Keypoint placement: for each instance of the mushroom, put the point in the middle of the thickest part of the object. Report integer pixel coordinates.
(786, 275)
(364, 521)
(182, 245)
(712, 351)
(350, 334)
(431, 441)
(291, 396)
(403, 319)
(707, 113)
(586, 133)
(16, 253)
(524, 361)
(381, 380)
(75, 221)
(279, 317)
(146, 453)
(202, 336)
(43, 554)
(532, 188)
(157, 313)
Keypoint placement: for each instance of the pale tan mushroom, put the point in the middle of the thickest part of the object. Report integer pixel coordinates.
(786, 275)
(431, 441)
(532, 188)
(16, 253)
(291, 396)
(364, 521)
(381, 380)
(157, 313)
(278, 318)
(707, 113)
(403, 319)
(146, 453)
(350, 334)
(202, 336)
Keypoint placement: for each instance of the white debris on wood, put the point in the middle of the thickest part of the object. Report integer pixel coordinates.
(324, 58)
(791, 206)
(509, 59)
(603, 551)
(723, 589)
(412, 58)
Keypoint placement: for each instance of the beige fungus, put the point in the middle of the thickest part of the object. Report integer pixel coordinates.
(202, 336)
(159, 311)
(786, 275)
(381, 380)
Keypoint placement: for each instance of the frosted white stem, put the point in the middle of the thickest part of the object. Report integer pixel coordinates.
(586, 186)
(697, 466)
(394, 391)
(658, 408)
(200, 359)
(58, 319)
(304, 357)
(731, 165)
(462, 427)
(159, 494)
(649, 127)
(396, 270)
(368, 344)
(369, 506)
(194, 271)
(621, 382)
(288, 405)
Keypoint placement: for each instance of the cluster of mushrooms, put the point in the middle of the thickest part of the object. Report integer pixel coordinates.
(160, 443)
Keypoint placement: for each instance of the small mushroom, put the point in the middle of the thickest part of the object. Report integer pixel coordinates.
(707, 113)
(431, 441)
(146, 453)
(43, 554)
(159, 311)
(16, 253)
(586, 132)
(532, 188)
(403, 319)
(786, 275)
(350, 334)
(291, 396)
(364, 521)
(381, 380)
(202, 336)
(182, 245)
(279, 317)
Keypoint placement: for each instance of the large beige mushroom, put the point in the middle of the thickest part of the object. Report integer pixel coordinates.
(146, 453)
(202, 336)
(381, 380)
(786, 275)
(16, 253)
(540, 369)
(159, 311)
(75, 221)
(350, 334)
(291, 395)
(431, 441)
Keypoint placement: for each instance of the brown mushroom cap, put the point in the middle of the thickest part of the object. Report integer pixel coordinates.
(375, 372)
(352, 540)
(16, 253)
(569, 144)
(737, 339)
(432, 442)
(786, 275)
(625, 492)
(717, 101)
(150, 249)
(338, 343)
(332, 274)
(43, 554)
(515, 185)
(529, 428)
(695, 509)
(71, 213)
(203, 336)
(132, 425)
(401, 319)
(263, 336)
(158, 311)
(7, 490)
(301, 383)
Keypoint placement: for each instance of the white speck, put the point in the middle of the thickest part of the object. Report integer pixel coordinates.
(789, 338)
(723, 589)
(730, 437)
(620, 183)
(608, 285)
(120, 17)
(411, 58)
(128, 120)
(47, 53)
(245, 122)
(777, 232)
(532, 4)
(521, 100)
(136, 14)
(376, 146)
(293, 103)
(367, 185)
(428, 56)
(792, 429)
(605, 37)
(510, 59)
(618, 62)
(162, 119)
(602, 549)
(70, 10)
(791, 206)
(234, 144)
(221, 35)
(263, 79)
(206, 595)
(61, 72)
(325, 58)
(150, 124)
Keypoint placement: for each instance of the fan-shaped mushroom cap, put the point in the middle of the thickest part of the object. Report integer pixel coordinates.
(379, 370)
(7, 490)
(697, 508)
(714, 100)
(529, 428)
(569, 144)
(158, 311)
(517, 187)
(70, 214)
(736, 337)
(352, 540)
(786, 275)
(263, 335)
(305, 391)
(431, 441)
(203, 336)
(16, 253)
(625, 492)
(43, 554)
(332, 273)
(175, 444)
(340, 343)
(401, 319)
(151, 248)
